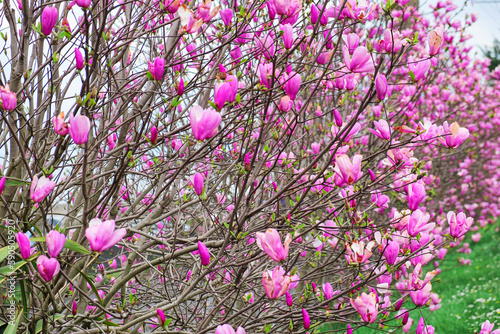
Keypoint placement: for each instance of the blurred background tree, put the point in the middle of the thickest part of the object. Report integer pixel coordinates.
(493, 53)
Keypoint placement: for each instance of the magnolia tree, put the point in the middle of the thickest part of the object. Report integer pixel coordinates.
(237, 167)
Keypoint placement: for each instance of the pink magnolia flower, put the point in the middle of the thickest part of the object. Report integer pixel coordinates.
(452, 136)
(204, 253)
(289, 299)
(24, 245)
(265, 74)
(347, 172)
(78, 59)
(55, 242)
(422, 295)
(102, 235)
(60, 126)
(383, 130)
(226, 16)
(475, 237)
(204, 12)
(305, 318)
(420, 68)
(351, 41)
(391, 252)
(83, 3)
(357, 252)
(292, 84)
(459, 224)
(204, 123)
(288, 36)
(435, 40)
(416, 193)
(367, 306)
(157, 68)
(2, 184)
(286, 7)
(228, 329)
(47, 268)
(327, 290)
(189, 23)
(49, 18)
(161, 317)
(40, 188)
(270, 243)
(418, 223)
(285, 104)
(276, 283)
(9, 99)
(381, 86)
(198, 184)
(360, 62)
(79, 127)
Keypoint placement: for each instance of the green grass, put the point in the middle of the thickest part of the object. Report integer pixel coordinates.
(470, 294)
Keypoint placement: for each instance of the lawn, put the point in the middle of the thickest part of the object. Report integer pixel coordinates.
(470, 294)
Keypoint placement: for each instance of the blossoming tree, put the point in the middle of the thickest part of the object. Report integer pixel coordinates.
(237, 167)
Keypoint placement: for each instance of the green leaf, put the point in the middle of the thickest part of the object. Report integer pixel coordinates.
(14, 182)
(412, 76)
(12, 329)
(176, 102)
(4, 252)
(238, 98)
(149, 75)
(10, 269)
(71, 245)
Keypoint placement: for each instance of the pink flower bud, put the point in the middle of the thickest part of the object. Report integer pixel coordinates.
(349, 329)
(381, 86)
(289, 299)
(75, 308)
(24, 245)
(285, 104)
(391, 252)
(161, 317)
(55, 242)
(154, 135)
(338, 117)
(198, 184)
(180, 87)
(156, 69)
(83, 3)
(79, 59)
(287, 36)
(306, 319)
(327, 291)
(50, 15)
(398, 305)
(204, 253)
(416, 193)
(292, 84)
(227, 16)
(2, 184)
(79, 127)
